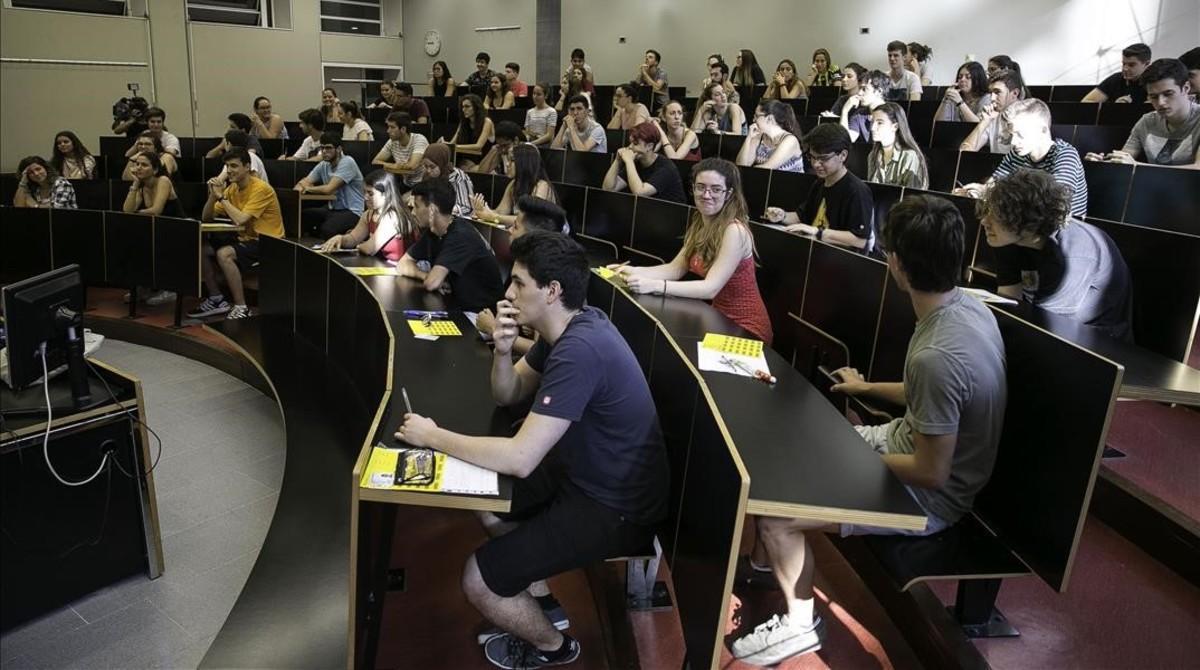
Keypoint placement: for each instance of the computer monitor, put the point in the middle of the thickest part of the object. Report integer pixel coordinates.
(47, 310)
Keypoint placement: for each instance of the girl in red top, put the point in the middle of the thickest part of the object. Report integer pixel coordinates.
(718, 247)
(385, 228)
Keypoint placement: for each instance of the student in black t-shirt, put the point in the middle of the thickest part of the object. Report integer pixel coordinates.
(458, 258)
(1126, 85)
(604, 490)
(641, 170)
(839, 208)
(1053, 260)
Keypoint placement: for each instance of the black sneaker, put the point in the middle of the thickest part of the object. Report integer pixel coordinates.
(211, 306)
(511, 652)
(550, 607)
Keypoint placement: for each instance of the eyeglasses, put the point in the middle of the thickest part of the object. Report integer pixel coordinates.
(328, 147)
(822, 158)
(703, 189)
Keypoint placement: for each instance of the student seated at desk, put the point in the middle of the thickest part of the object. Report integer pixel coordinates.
(718, 247)
(718, 114)
(437, 164)
(267, 124)
(627, 111)
(603, 490)
(676, 140)
(240, 122)
(541, 119)
(773, 140)
(454, 255)
(1126, 85)
(312, 124)
(404, 151)
(156, 120)
(235, 139)
(529, 178)
(943, 448)
(338, 175)
(250, 203)
(41, 186)
(991, 133)
(1035, 148)
(151, 191)
(838, 208)
(385, 229)
(1052, 259)
(150, 140)
(70, 158)
(532, 214)
(895, 156)
(499, 158)
(1170, 135)
(640, 170)
(579, 131)
(475, 130)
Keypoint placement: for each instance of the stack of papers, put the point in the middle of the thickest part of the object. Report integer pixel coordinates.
(375, 272)
(452, 475)
(734, 355)
(986, 296)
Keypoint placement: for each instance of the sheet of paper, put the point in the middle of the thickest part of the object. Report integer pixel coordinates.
(462, 477)
(713, 360)
(441, 328)
(374, 272)
(987, 296)
(728, 344)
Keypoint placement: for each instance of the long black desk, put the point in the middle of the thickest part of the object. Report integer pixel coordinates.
(804, 458)
(1148, 375)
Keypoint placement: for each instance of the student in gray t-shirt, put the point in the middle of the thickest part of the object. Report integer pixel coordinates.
(1170, 135)
(944, 447)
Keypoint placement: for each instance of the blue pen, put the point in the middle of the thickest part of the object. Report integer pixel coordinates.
(419, 313)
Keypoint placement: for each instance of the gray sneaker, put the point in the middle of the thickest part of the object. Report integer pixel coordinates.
(210, 307)
(238, 312)
(776, 640)
(512, 653)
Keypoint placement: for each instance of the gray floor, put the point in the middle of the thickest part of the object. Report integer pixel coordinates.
(217, 484)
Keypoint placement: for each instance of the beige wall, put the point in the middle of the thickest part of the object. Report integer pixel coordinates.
(37, 101)
(456, 21)
(1056, 41)
(228, 68)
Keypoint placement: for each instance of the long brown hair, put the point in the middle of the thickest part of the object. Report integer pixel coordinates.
(705, 239)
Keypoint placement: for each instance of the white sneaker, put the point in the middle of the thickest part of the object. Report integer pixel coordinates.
(776, 640)
(238, 312)
(161, 298)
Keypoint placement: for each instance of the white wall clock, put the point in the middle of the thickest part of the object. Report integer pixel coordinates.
(433, 42)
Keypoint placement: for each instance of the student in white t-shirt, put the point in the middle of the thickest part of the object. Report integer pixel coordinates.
(404, 150)
(902, 79)
(354, 126)
(540, 120)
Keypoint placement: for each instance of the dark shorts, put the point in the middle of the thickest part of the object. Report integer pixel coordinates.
(560, 529)
(247, 251)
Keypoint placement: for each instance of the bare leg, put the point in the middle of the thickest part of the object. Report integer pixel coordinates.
(227, 258)
(495, 527)
(207, 272)
(791, 559)
(519, 615)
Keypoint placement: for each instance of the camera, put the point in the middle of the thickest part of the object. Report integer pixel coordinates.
(129, 107)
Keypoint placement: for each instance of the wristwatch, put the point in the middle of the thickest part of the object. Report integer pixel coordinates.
(820, 233)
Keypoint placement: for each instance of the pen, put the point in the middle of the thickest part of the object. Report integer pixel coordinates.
(421, 313)
(407, 404)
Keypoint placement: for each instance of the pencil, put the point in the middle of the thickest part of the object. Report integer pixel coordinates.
(407, 404)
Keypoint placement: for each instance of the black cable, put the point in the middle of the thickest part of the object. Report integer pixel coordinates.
(125, 409)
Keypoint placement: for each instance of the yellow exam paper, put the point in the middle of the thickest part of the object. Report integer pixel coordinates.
(728, 344)
(438, 328)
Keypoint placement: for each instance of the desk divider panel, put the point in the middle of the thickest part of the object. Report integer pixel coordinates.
(943, 166)
(1166, 286)
(373, 343)
(976, 166)
(1063, 131)
(289, 209)
(128, 249)
(659, 227)
(585, 168)
(782, 269)
(789, 189)
(846, 310)
(277, 278)
(731, 145)
(190, 169)
(176, 259)
(282, 173)
(857, 159)
(1122, 114)
(710, 144)
(1079, 113)
(90, 194)
(896, 324)
(1065, 93)
(1053, 436)
(609, 216)
(1167, 198)
(482, 185)
(25, 243)
(572, 198)
(115, 145)
(8, 188)
(1108, 189)
(615, 139)
(553, 160)
(312, 296)
(192, 196)
(756, 185)
(950, 134)
(343, 308)
(78, 236)
(271, 147)
(1099, 139)
(885, 196)
(920, 119)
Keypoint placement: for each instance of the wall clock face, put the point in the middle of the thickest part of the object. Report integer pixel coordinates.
(433, 42)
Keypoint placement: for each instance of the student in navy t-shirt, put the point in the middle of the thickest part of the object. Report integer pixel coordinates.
(602, 491)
